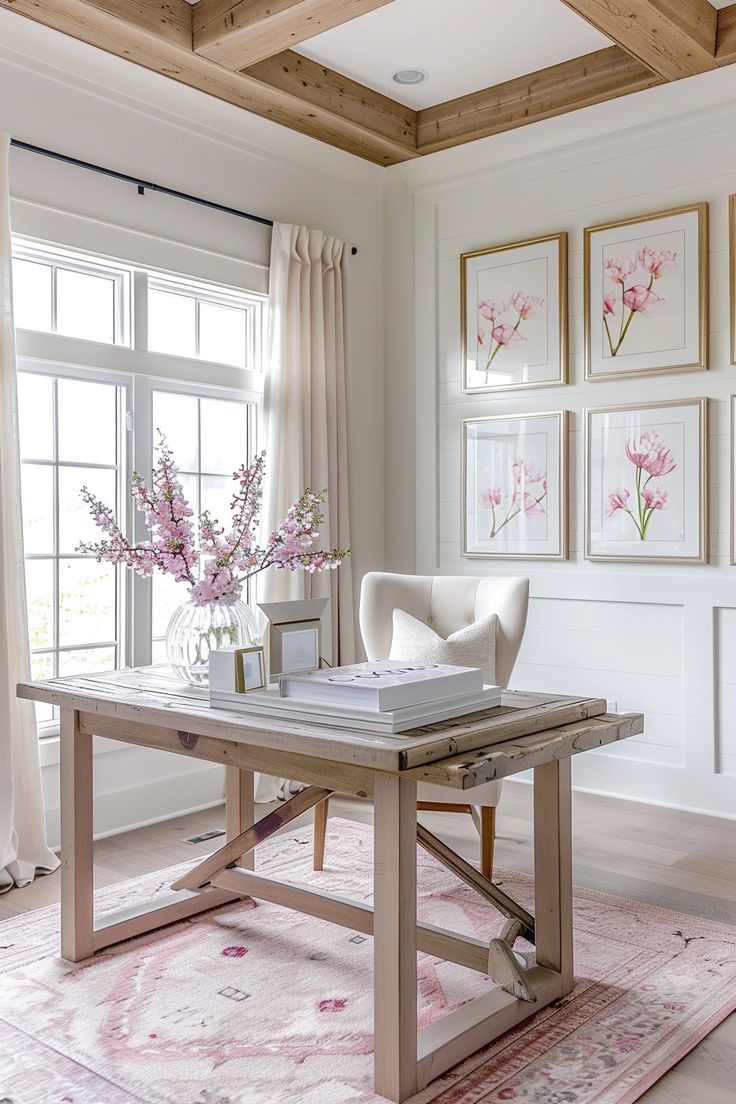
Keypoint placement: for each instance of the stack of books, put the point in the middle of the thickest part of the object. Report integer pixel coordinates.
(386, 697)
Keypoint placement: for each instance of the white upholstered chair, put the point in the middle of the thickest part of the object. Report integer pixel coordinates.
(446, 603)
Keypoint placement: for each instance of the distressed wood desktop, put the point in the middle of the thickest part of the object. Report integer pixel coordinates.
(147, 707)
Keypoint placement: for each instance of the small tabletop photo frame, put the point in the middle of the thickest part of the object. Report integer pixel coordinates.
(250, 669)
(294, 636)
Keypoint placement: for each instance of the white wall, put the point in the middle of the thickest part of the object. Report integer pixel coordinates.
(66, 96)
(661, 639)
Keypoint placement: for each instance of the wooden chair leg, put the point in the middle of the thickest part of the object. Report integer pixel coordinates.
(487, 838)
(321, 813)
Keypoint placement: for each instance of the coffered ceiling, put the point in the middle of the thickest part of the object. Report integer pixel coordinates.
(325, 67)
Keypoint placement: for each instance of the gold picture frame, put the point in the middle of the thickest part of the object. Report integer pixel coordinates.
(244, 683)
(520, 253)
(694, 268)
(701, 556)
(560, 497)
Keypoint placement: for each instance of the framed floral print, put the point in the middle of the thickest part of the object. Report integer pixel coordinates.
(514, 315)
(646, 294)
(646, 482)
(515, 486)
(732, 272)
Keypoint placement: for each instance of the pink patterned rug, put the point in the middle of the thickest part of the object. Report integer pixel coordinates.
(259, 1005)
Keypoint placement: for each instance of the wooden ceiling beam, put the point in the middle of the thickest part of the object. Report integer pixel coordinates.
(159, 50)
(594, 78)
(673, 38)
(239, 33)
(726, 40)
(322, 87)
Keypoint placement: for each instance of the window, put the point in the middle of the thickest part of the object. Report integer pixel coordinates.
(64, 293)
(187, 362)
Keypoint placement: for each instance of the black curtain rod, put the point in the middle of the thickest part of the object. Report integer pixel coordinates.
(144, 186)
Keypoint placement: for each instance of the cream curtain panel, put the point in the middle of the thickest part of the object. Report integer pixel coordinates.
(305, 408)
(23, 850)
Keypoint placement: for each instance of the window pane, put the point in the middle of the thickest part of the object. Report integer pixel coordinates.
(86, 660)
(176, 417)
(222, 333)
(42, 667)
(75, 521)
(217, 493)
(36, 416)
(158, 652)
(224, 436)
(85, 306)
(171, 323)
(37, 494)
(32, 295)
(86, 602)
(40, 598)
(87, 421)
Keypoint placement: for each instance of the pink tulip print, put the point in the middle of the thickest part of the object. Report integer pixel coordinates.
(652, 459)
(505, 318)
(525, 496)
(633, 293)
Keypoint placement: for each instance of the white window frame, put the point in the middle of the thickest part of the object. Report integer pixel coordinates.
(141, 372)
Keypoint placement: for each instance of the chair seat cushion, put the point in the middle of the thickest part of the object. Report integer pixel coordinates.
(474, 645)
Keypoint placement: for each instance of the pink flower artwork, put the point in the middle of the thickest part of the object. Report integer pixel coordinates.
(506, 317)
(526, 495)
(214, 561)
(651, 459)
(633, 297)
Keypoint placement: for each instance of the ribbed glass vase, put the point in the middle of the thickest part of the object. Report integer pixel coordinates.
(195, 631)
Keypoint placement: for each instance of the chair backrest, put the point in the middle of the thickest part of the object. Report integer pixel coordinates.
(446, 603)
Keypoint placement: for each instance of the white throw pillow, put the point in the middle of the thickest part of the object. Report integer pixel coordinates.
(414, 641)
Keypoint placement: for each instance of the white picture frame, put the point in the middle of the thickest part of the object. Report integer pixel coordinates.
(646, 482)
(515, 475)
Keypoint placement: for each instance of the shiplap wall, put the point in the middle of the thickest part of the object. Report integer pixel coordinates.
(656, 638)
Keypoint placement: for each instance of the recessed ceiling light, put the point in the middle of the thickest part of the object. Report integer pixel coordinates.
(410, 76)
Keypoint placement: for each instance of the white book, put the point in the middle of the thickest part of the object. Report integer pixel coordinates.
(384, 685)
(269, 703)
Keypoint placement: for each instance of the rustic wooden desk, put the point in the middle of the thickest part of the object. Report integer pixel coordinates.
(149, 708)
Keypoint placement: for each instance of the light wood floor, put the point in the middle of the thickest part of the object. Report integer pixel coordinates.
(673, 859)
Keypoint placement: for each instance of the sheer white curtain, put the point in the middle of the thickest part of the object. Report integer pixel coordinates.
(305, 408)
(23, 849)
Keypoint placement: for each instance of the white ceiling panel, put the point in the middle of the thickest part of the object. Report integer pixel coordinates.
(463, 45)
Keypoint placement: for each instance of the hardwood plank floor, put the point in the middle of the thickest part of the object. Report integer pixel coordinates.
(665, 857)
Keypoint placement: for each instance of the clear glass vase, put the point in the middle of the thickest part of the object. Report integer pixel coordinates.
(195, 631)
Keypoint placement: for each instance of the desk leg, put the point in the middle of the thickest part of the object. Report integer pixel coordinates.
(553, 868)
(239, 808)
(77, 872)
(395, 937)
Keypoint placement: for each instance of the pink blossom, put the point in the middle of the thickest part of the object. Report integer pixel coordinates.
(656, 261)
(507, 335)
(492, 496)
(617, 501)
(609, 304)
(641, 299)
(528, 503)
(654, 498)
(524, 473)
(618, 268)
(650, 454)
(490, 309)
(526, 305)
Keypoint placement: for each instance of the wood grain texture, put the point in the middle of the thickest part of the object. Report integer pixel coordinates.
(553, 869)
(75, 769)
(672, 38)
(726, 41)
(594, 78)
(169, 19)
(238, 33)
(316, 84)
(127, 39)
(240, 810)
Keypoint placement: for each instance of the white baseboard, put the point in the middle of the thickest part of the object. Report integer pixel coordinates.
(142, 803)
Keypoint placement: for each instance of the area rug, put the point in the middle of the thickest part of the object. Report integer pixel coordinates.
(253, 1004)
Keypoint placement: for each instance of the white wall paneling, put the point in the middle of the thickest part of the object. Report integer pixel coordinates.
(659, 638)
